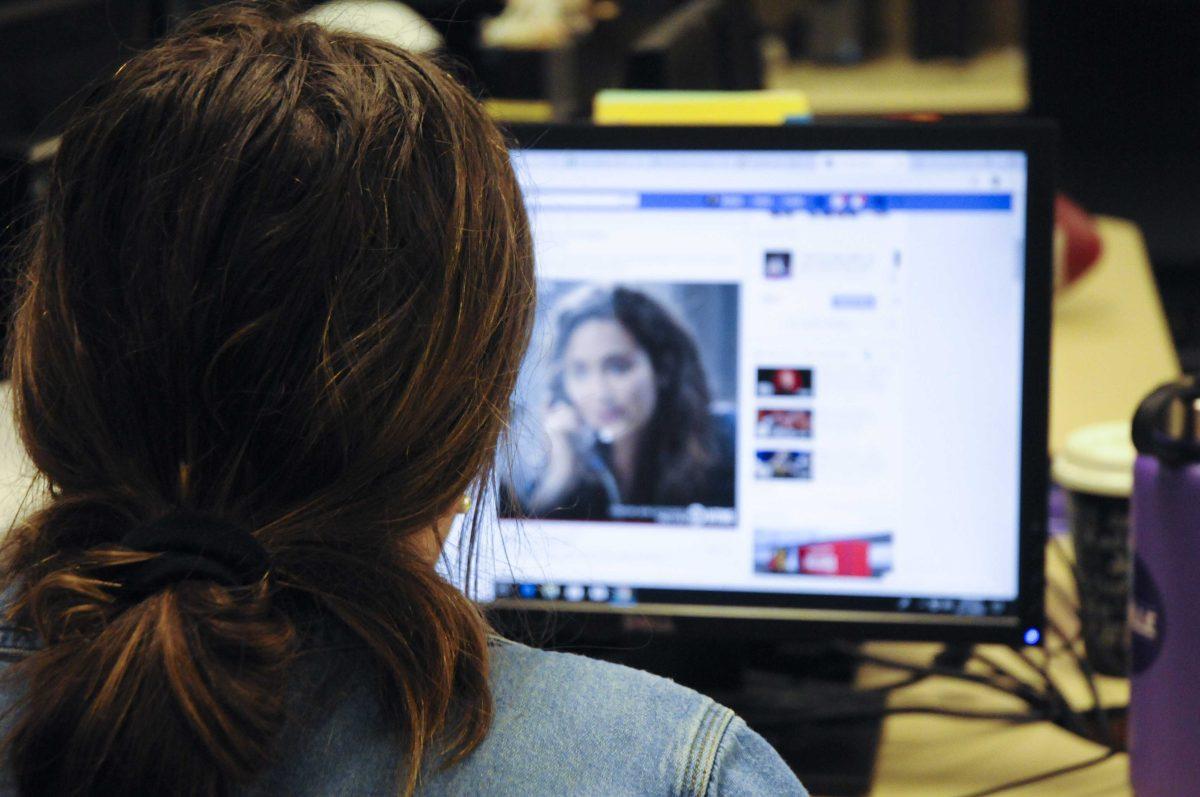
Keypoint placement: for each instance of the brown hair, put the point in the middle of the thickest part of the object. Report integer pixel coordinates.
(282, 277)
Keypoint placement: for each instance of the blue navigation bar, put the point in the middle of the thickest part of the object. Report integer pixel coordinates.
(830, 204)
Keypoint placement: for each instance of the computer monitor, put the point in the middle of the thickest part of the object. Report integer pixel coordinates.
(783, 380)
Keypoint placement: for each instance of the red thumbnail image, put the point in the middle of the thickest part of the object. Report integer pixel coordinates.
(849, 558)
(784, 423)
(861, 557)
(785, 381)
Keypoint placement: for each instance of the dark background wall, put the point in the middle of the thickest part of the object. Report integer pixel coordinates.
(1122, 77)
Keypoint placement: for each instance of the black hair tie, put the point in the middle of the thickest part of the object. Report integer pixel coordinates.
(193, 547)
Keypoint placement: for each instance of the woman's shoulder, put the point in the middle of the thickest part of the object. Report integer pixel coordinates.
(532, 673)
(590, 699)
(570, 724)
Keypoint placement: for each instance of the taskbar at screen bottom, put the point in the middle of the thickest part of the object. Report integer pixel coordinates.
(764, 605)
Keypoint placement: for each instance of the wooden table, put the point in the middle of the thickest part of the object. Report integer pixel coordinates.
(1110, 341)
(993, 82)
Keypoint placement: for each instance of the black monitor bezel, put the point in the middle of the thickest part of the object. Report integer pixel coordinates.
(1038, 140)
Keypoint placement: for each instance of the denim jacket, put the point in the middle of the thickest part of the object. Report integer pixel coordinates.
(563, 725)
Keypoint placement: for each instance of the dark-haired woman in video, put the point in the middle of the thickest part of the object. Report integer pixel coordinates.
(629, 422)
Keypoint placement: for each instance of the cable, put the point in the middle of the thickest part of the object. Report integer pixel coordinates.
(1000, 670)
(1020, 691)
(1099, 715)
(1002, 716)
(1061, 712)
(1085, 666)
(1051, 704)
(854, 716)
(1044, 776)
(908, 680)
(1069, 600)
(773, 716)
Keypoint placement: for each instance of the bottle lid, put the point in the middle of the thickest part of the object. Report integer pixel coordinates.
(1098, 459)
(1166, 425)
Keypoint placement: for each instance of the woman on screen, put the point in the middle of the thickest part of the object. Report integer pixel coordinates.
(628, 420)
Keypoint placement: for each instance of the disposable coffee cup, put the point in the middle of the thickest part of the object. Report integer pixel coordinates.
(1096, 470)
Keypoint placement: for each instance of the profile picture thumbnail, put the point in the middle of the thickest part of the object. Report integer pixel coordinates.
(777, 265)
(785, 382)
(784, 423)
(774, 464)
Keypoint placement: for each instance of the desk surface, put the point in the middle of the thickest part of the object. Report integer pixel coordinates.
(923, 756)
(992, 82)
(1110, 342)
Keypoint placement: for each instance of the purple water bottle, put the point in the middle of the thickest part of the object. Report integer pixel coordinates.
(1165, 599)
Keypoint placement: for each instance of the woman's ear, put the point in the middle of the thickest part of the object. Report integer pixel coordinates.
(429, 541)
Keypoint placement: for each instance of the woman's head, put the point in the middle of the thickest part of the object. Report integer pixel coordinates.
(282, 277)
(630, 368)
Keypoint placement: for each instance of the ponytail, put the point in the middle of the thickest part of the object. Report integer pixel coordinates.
(180, 692)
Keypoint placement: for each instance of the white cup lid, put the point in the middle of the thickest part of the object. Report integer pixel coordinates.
(1098, 459)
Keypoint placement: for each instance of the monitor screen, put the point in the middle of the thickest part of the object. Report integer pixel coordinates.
(781, 383)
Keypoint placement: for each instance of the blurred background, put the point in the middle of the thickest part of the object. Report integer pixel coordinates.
(1121, 77)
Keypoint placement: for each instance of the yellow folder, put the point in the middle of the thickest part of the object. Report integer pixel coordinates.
(631, 107)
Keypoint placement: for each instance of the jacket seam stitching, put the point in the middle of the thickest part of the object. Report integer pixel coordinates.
(687, 778)
(713, 745)
(716, 721)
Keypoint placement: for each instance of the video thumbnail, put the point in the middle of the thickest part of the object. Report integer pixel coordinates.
(625, 407)
(800, 553)
(785, 382)
(774, 464)
(784, 423)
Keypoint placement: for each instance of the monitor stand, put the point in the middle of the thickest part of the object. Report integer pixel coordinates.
(789, 697)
